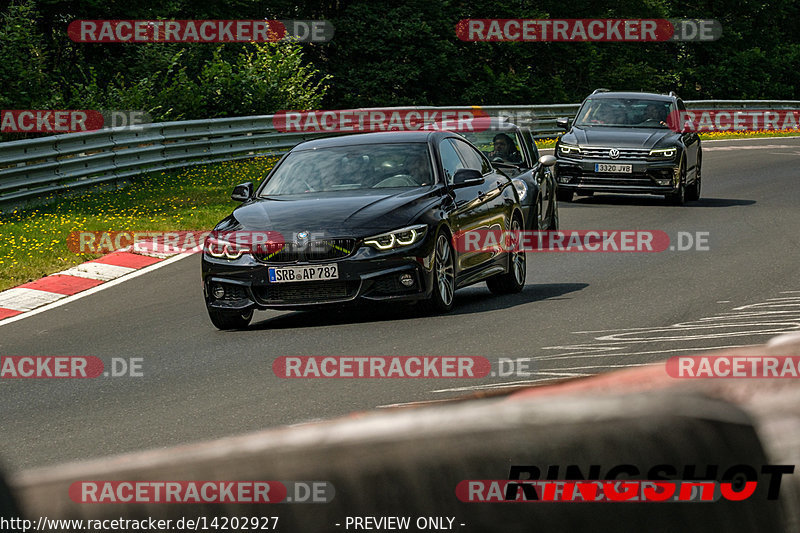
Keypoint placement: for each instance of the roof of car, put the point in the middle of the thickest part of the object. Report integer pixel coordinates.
(626, 94)
(368, 138)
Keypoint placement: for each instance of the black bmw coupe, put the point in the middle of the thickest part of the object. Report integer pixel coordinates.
(362, 217)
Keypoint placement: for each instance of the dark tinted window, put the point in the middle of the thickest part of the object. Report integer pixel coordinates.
(472, 157)
(450, 160)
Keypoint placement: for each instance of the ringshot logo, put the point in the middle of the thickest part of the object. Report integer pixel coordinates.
(663, 483)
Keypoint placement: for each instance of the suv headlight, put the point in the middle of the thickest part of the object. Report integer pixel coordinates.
(397, 238)
(665, 153)
(569, 149)
(521, 187)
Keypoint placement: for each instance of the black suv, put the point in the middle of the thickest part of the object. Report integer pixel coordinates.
(628, 142)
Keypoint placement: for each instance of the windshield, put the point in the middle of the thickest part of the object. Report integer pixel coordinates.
(625, 113)
(365, 166)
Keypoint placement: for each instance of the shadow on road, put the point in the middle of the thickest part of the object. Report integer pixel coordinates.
(603, 199)
(475, 299)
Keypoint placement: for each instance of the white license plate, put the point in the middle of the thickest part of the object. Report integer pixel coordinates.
(303, 273)
(613, 167)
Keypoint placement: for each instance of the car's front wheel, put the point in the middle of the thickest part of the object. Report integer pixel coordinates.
(444, 276)
(514, 279)
(693, 192)
(679, 197)
(226, 320)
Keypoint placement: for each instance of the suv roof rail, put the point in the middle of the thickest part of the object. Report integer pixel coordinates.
(601, 90)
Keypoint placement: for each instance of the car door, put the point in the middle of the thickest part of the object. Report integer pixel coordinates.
(495, 195)
(465, 214)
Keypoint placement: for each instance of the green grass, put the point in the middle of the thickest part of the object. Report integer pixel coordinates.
(33, 242)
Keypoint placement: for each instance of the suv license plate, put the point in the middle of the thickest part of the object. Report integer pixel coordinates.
(618, 169)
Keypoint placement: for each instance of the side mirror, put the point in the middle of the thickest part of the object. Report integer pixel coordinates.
(466, 177)
(563, 123)
(547, 160)
(242, 192)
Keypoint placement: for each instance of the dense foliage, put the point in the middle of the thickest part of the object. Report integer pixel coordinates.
(384, 53)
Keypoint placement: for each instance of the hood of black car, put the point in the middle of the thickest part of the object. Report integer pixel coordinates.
(346, 213)
(618, 137)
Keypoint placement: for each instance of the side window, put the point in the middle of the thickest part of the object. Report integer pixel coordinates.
(472, 157)
(450, 160)
(532, 143)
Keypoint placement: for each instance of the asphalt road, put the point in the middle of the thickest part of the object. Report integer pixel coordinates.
(579, 314)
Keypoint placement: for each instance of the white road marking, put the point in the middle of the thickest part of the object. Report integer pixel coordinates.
(93, 290)
(99, 271)
(24, 299)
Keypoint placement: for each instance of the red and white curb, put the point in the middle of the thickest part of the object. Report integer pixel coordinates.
(55, 287)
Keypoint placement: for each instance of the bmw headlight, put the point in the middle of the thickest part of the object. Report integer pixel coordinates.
(569, 149)
(664, 153)
(223, 248)
(397, 238)
(521, 187)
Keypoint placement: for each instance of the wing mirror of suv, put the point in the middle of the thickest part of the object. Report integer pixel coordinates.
(563, 123)
(547, 160)
(465, 177)
(242, 192)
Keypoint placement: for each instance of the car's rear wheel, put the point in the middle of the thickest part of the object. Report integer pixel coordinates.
(693, 191)
(444, 277)
(514, 279)
(679, 197)
(227, 320)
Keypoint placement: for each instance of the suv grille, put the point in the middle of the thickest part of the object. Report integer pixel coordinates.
(625, 153)
(319, 250)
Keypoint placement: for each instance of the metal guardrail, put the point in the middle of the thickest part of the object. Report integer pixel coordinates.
(31, 169)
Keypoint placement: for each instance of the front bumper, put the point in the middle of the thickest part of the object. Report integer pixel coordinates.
(364, 275)
(647, 177)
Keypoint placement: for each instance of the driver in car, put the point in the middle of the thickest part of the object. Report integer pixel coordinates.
(505, 149)
(655, 114)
